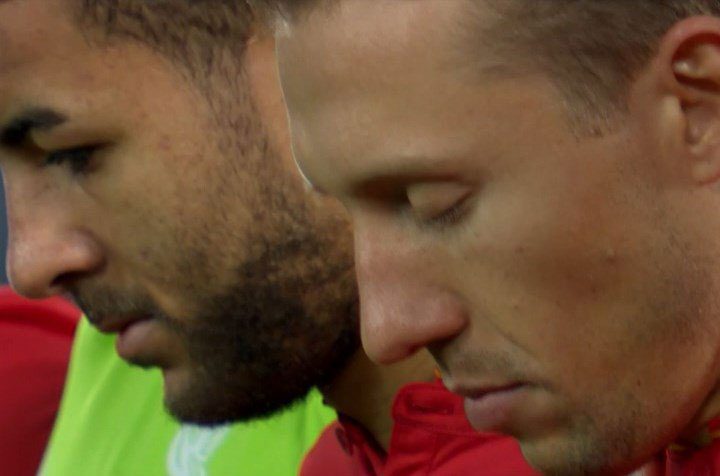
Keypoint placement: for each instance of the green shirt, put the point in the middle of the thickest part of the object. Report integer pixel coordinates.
(112, 423)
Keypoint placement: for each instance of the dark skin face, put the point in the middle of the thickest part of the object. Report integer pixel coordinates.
(566, 285)
(186, 231)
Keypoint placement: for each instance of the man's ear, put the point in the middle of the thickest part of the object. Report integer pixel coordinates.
(690, 56)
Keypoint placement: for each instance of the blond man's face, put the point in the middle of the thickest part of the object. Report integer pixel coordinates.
(556, 280)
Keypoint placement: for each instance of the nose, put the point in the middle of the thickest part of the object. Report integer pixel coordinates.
(45, 252)
(403, 304)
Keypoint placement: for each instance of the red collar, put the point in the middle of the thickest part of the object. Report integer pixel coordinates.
(430, 436)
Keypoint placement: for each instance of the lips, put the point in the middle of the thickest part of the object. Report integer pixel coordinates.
(132, 340)
(117, 324)
(483, 392)
(495, 409)
(132, 332)
(492, 407)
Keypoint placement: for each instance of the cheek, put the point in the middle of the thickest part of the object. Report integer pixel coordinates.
(602, 301)
(543, 251)
(565, 276)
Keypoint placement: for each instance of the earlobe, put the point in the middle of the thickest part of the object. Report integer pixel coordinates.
(702, 140)
(692, 50)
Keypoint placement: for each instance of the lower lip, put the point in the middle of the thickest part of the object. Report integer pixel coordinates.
(130, 341)
(494, 410)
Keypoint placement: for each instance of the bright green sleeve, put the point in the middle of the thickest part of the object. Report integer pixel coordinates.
(112, 423)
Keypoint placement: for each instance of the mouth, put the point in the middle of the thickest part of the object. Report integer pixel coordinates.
(132, 333)
(132, 340)
(118, 325)
(491, 408)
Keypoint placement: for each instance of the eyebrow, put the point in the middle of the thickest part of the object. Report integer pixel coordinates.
(15, 131)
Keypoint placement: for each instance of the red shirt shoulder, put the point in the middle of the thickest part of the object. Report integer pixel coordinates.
(344, 449)
(430, 436)
(696, 462)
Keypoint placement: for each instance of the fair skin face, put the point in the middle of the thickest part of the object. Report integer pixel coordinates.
(197, 244)
(566, 285)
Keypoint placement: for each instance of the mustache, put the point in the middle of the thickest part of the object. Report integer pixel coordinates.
(101, 303)
(481, 362)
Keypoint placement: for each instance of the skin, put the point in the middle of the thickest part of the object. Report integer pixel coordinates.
(581, 269)
(203, 230)
(184, 219)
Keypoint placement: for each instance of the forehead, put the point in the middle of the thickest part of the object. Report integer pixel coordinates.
(367, 35)
(46, 60)
(346, 62)
(372, 81)
(39, 57)
(31, 28)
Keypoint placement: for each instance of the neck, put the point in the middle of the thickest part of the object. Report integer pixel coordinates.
(364, 390)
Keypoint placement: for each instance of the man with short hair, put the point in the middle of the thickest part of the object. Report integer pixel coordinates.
(142, 179)
(148, 175)
(534, 188)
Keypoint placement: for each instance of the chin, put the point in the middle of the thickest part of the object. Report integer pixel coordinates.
(578, 457)
(193, 410)
(190, 398)
(212, 412)
(185, 403)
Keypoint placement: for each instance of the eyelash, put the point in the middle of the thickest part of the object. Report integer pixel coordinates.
(77, 158)
(449, 217)
(452, 216)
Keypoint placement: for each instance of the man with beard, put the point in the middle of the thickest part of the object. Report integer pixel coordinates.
(148, 175)
(535, 192)
(112, 421)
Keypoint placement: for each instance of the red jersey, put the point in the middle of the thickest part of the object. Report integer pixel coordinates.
(35, 341)
(431, 436)
(692, 461)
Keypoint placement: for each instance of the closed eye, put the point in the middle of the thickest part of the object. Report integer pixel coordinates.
(78, 159)
(450, 216)
(439, 203)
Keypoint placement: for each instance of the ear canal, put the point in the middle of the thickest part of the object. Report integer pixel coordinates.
(686, 67)
(698, 66)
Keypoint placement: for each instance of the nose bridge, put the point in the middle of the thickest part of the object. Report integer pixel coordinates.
(404, 306)
(43, 246)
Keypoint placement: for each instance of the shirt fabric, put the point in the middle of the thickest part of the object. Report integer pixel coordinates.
(112, 423)
(35, 340)
(695, 461)
(431, 436)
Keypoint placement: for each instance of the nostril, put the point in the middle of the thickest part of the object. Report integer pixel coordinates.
(65, 280)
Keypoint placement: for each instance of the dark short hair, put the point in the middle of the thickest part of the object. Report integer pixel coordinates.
(203, 40)
(591, 49)
(191, 33)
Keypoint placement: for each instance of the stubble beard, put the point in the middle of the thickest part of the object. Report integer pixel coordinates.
(260, 345)
(287, 318)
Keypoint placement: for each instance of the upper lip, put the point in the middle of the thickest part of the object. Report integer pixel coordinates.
(118, 324)
(481, 390)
